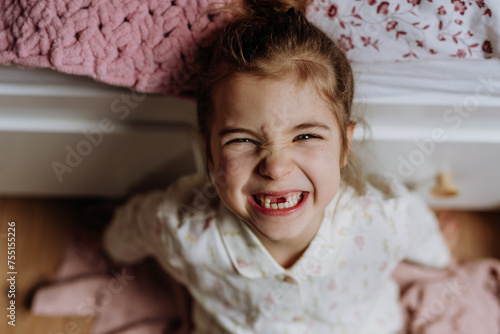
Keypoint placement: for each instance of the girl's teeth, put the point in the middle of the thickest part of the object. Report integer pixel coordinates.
(291, 201)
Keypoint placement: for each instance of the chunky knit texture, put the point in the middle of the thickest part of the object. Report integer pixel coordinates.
(147, 45)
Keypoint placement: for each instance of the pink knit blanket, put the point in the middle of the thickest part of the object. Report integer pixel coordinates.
(148, 45)
(151, 45)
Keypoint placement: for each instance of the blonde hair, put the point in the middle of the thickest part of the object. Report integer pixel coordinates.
(273, 39)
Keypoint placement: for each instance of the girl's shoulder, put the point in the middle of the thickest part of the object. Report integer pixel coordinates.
(190, 196)
(381, 195)
(386, 188)
(376, 187)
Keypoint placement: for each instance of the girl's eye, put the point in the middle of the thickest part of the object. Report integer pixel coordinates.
(306, 136)
(241, 140)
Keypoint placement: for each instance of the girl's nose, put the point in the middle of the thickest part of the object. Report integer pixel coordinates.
(275, 164)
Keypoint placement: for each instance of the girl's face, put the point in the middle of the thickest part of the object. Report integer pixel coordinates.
(275, 147)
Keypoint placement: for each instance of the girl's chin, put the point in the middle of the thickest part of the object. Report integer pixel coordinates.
(294, 230)
(276, 230)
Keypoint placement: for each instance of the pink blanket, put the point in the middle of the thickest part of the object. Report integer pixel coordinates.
(465, 298)
(146, 45)
(138, 299)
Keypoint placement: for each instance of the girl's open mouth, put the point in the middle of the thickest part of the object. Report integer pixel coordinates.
(279, 205)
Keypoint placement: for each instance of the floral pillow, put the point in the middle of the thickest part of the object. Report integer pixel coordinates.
(375, 30)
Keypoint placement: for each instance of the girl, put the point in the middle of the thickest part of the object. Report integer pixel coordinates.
(284, 238)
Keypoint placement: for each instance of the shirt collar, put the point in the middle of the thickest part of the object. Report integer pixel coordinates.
(248, 255)
(251, 259)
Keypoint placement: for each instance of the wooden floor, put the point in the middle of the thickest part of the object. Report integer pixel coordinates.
(479, 235)
(43, 227)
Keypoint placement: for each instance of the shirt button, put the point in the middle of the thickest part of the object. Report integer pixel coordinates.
(288, 279)
(297, 319)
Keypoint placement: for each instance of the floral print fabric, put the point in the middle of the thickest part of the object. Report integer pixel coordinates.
(375, 30)
(341, 284)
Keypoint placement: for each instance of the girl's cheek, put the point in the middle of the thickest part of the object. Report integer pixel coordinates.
(323, 152)
(234, 163)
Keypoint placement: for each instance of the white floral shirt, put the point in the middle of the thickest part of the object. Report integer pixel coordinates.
(341, 284)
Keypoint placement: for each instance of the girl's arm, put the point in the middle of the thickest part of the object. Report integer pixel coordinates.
(427, 244)
(133, 233)
(416, 227)
(150, 224)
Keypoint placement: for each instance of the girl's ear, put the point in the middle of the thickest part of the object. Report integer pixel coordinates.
(350, 131)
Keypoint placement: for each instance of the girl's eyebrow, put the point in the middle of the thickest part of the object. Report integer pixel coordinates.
(310, 126)
(227, 131)
(299, 127)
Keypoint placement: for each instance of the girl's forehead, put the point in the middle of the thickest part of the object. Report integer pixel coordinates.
(270, 103)
(244, 91)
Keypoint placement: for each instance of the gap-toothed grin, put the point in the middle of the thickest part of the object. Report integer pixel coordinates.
(279, 202)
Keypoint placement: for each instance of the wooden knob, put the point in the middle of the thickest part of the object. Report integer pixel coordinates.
(445, 186)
